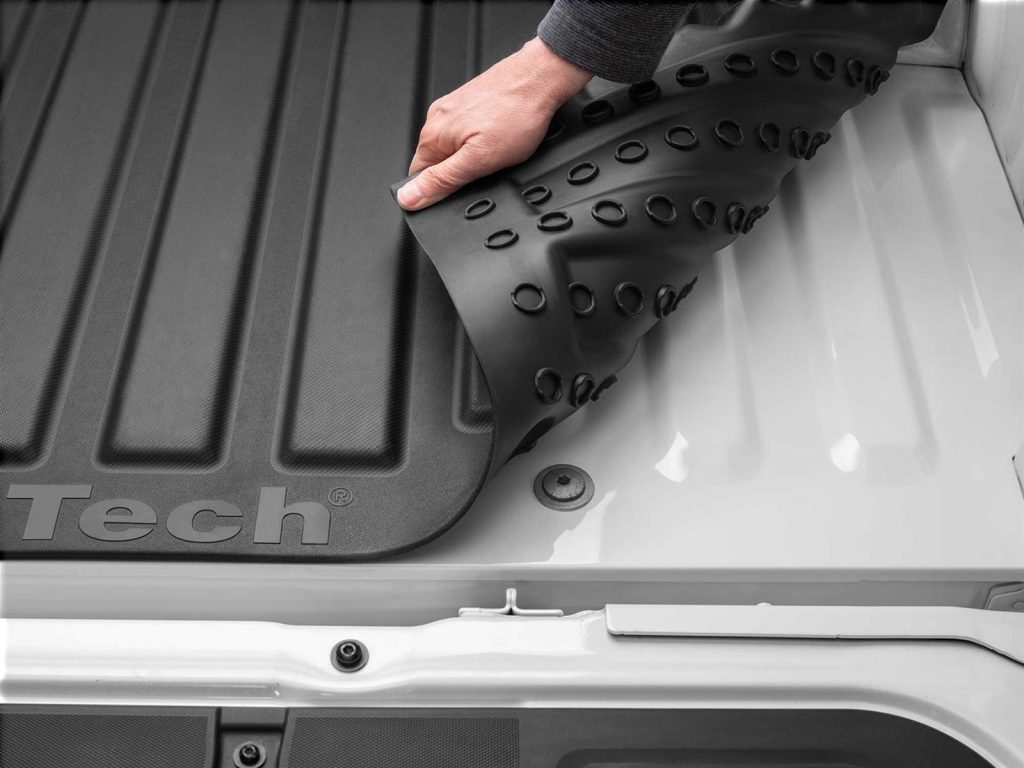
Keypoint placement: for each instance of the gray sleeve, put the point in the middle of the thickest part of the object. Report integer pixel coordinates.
(619, 41)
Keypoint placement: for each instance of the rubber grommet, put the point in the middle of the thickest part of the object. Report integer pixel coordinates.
(710, 221)
(665, 301)
(769, 136)
(735, 216)
(785, 61)
(555, 221)
(631, 151)
(681, 137)
(583, 387)
(582, 173)
(349, 656)
(645, 92)
(584, 308)
(537, 194)
(729, 133)
(480, 208)
(556, 130)
(740, 65)
(597, 112)
(519, 298)
(824, 64)
(503, 238)
(609, 212)
(661, 210)
(855, 71)
(547, 383)
(629, 309)
(691, 75)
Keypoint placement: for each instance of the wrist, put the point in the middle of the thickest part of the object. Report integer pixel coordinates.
(554, 78)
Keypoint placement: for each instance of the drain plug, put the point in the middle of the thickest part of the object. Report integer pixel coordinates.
(563, 487)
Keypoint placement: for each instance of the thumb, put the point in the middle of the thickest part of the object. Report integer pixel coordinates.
(438, 181)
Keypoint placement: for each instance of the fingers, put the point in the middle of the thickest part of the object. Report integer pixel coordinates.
(438, 181)
(428, 153)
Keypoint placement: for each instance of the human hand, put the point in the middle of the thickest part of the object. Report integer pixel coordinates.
(494, 121)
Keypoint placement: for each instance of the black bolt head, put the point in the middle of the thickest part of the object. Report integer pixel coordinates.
(249, 755)
(349, 655)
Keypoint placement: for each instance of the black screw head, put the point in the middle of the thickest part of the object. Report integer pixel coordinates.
(349, 656)
(249, 755)
(564, 487)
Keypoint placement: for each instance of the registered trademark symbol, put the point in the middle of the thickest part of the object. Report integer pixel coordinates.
(340, 497)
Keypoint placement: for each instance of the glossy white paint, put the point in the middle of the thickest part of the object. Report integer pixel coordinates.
(945, 46)
(972, 694)
(995, 72)
(998, 631)
(830, 418)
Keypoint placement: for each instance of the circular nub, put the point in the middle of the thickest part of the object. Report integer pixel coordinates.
(503, 238)
(583, 387)
(547, 383)
(529, 298)
(824, 64)
(692, 75)
(661, 210)
(556, 130)
(665, 301)
(631, 151)
(629, 298)
(785, 61)
(609, 212)
(537, 194)
(729, 133)
(799, 142)
(597, 112)
(705, 212)
(582, 173)
(681, 137)
(555, 221)
(855, 71)
(582, 300)
(873, 79)
(740, 65)
(769, 136)
(480, 208)
(735, 216)
(645, 92)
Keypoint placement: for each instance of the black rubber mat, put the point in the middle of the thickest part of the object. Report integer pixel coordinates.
(219, 340)
(559, 266)
(80, 737)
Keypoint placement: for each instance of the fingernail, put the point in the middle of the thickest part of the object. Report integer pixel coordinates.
(410, 196)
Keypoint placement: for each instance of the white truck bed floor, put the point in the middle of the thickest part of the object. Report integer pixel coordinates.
(837, 404)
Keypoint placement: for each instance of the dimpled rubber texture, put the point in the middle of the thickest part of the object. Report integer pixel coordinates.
(559, 266)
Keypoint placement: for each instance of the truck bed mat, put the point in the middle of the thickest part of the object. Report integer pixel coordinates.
(217, 337)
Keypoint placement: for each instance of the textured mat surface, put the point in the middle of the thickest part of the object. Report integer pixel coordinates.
(421, 738)
(214, 328)
(205, 290)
